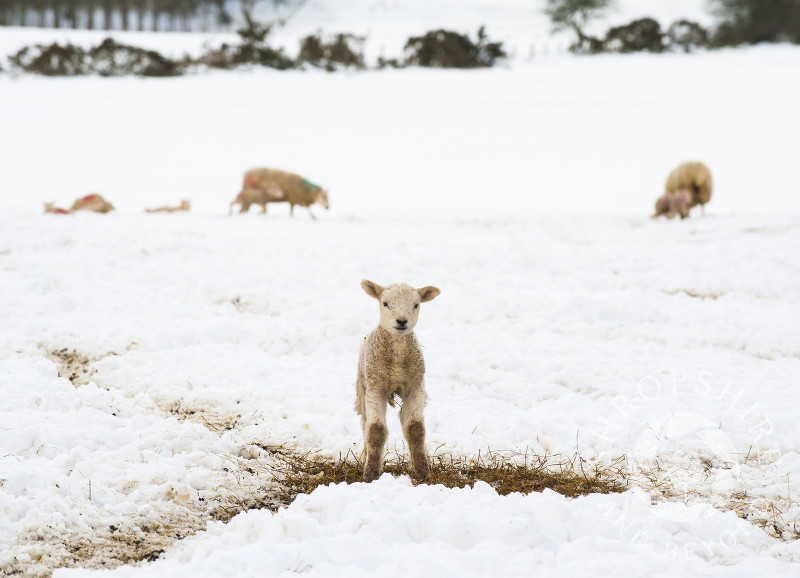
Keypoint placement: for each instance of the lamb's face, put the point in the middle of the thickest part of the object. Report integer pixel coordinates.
(399, 304)
(399, 308)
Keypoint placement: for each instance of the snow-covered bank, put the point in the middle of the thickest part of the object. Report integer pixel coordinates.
(392, 529)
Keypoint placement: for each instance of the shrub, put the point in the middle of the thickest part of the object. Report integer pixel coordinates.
(637, 36)
(53, 60)
(448, 49)
(343, 51)
(687, 35)
(106, 59)
(312, 50)
(113, 59)
(229, 56)
(252, 49)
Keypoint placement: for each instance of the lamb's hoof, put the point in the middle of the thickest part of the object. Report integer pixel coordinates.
(420, 472)
(371, 472)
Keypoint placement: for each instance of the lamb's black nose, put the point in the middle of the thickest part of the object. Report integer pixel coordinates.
(402, 322)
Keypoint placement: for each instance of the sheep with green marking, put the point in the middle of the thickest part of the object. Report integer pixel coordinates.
(263, 185)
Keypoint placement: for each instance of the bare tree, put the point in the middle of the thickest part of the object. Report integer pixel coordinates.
(575, 15)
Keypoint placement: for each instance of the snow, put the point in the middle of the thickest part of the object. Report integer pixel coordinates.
(569, 322)
(386, 528)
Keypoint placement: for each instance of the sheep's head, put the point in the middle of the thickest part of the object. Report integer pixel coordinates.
(322, 198)
(399, 304)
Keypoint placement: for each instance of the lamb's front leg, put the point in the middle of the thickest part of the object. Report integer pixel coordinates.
(414, 430)
(375, 431)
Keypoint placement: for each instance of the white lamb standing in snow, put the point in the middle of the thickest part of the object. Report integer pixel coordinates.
(390, 364)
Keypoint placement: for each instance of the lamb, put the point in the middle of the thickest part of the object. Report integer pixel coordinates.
(672, 204)
(390, 364)
(184, 206)
(51, 208)
(257, 189)
(93, 202)
(693, 177)
(263, 185)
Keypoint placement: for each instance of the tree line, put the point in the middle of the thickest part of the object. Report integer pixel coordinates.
(141, 15)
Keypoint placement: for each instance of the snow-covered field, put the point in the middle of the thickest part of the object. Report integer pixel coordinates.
(569, 322)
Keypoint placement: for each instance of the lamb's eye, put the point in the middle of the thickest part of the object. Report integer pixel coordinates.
(416, 306)
(385, 304)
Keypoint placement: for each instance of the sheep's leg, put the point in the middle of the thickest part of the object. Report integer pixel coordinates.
(310, 213)
(264, 209)
(291, 209)
(375, 432)
(414, 430)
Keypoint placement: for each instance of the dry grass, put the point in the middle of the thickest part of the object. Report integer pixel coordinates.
(506, 472)
(694, 294)
(72, 365)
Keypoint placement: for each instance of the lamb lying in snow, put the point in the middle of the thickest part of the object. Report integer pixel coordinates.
(93, 202)
(184, 206)
(687, 186)
(390, 364)
(262, 186)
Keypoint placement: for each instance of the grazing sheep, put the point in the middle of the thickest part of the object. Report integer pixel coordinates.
(262, 186)
(184, 206)
(93, 202)
(390, 364)
(672, 204)
(693, 177)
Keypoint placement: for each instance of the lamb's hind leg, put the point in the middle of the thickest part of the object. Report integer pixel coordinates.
(361, 410)
(414, 430)
(375, 432)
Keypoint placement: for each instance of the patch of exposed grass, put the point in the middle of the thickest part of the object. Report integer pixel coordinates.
(506, 472)
(72, 365)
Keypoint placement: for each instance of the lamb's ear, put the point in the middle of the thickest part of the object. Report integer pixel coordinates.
(372, 289)
(428, 293)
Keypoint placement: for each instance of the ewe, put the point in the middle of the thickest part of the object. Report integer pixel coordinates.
(390, 364)
(694, 177)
